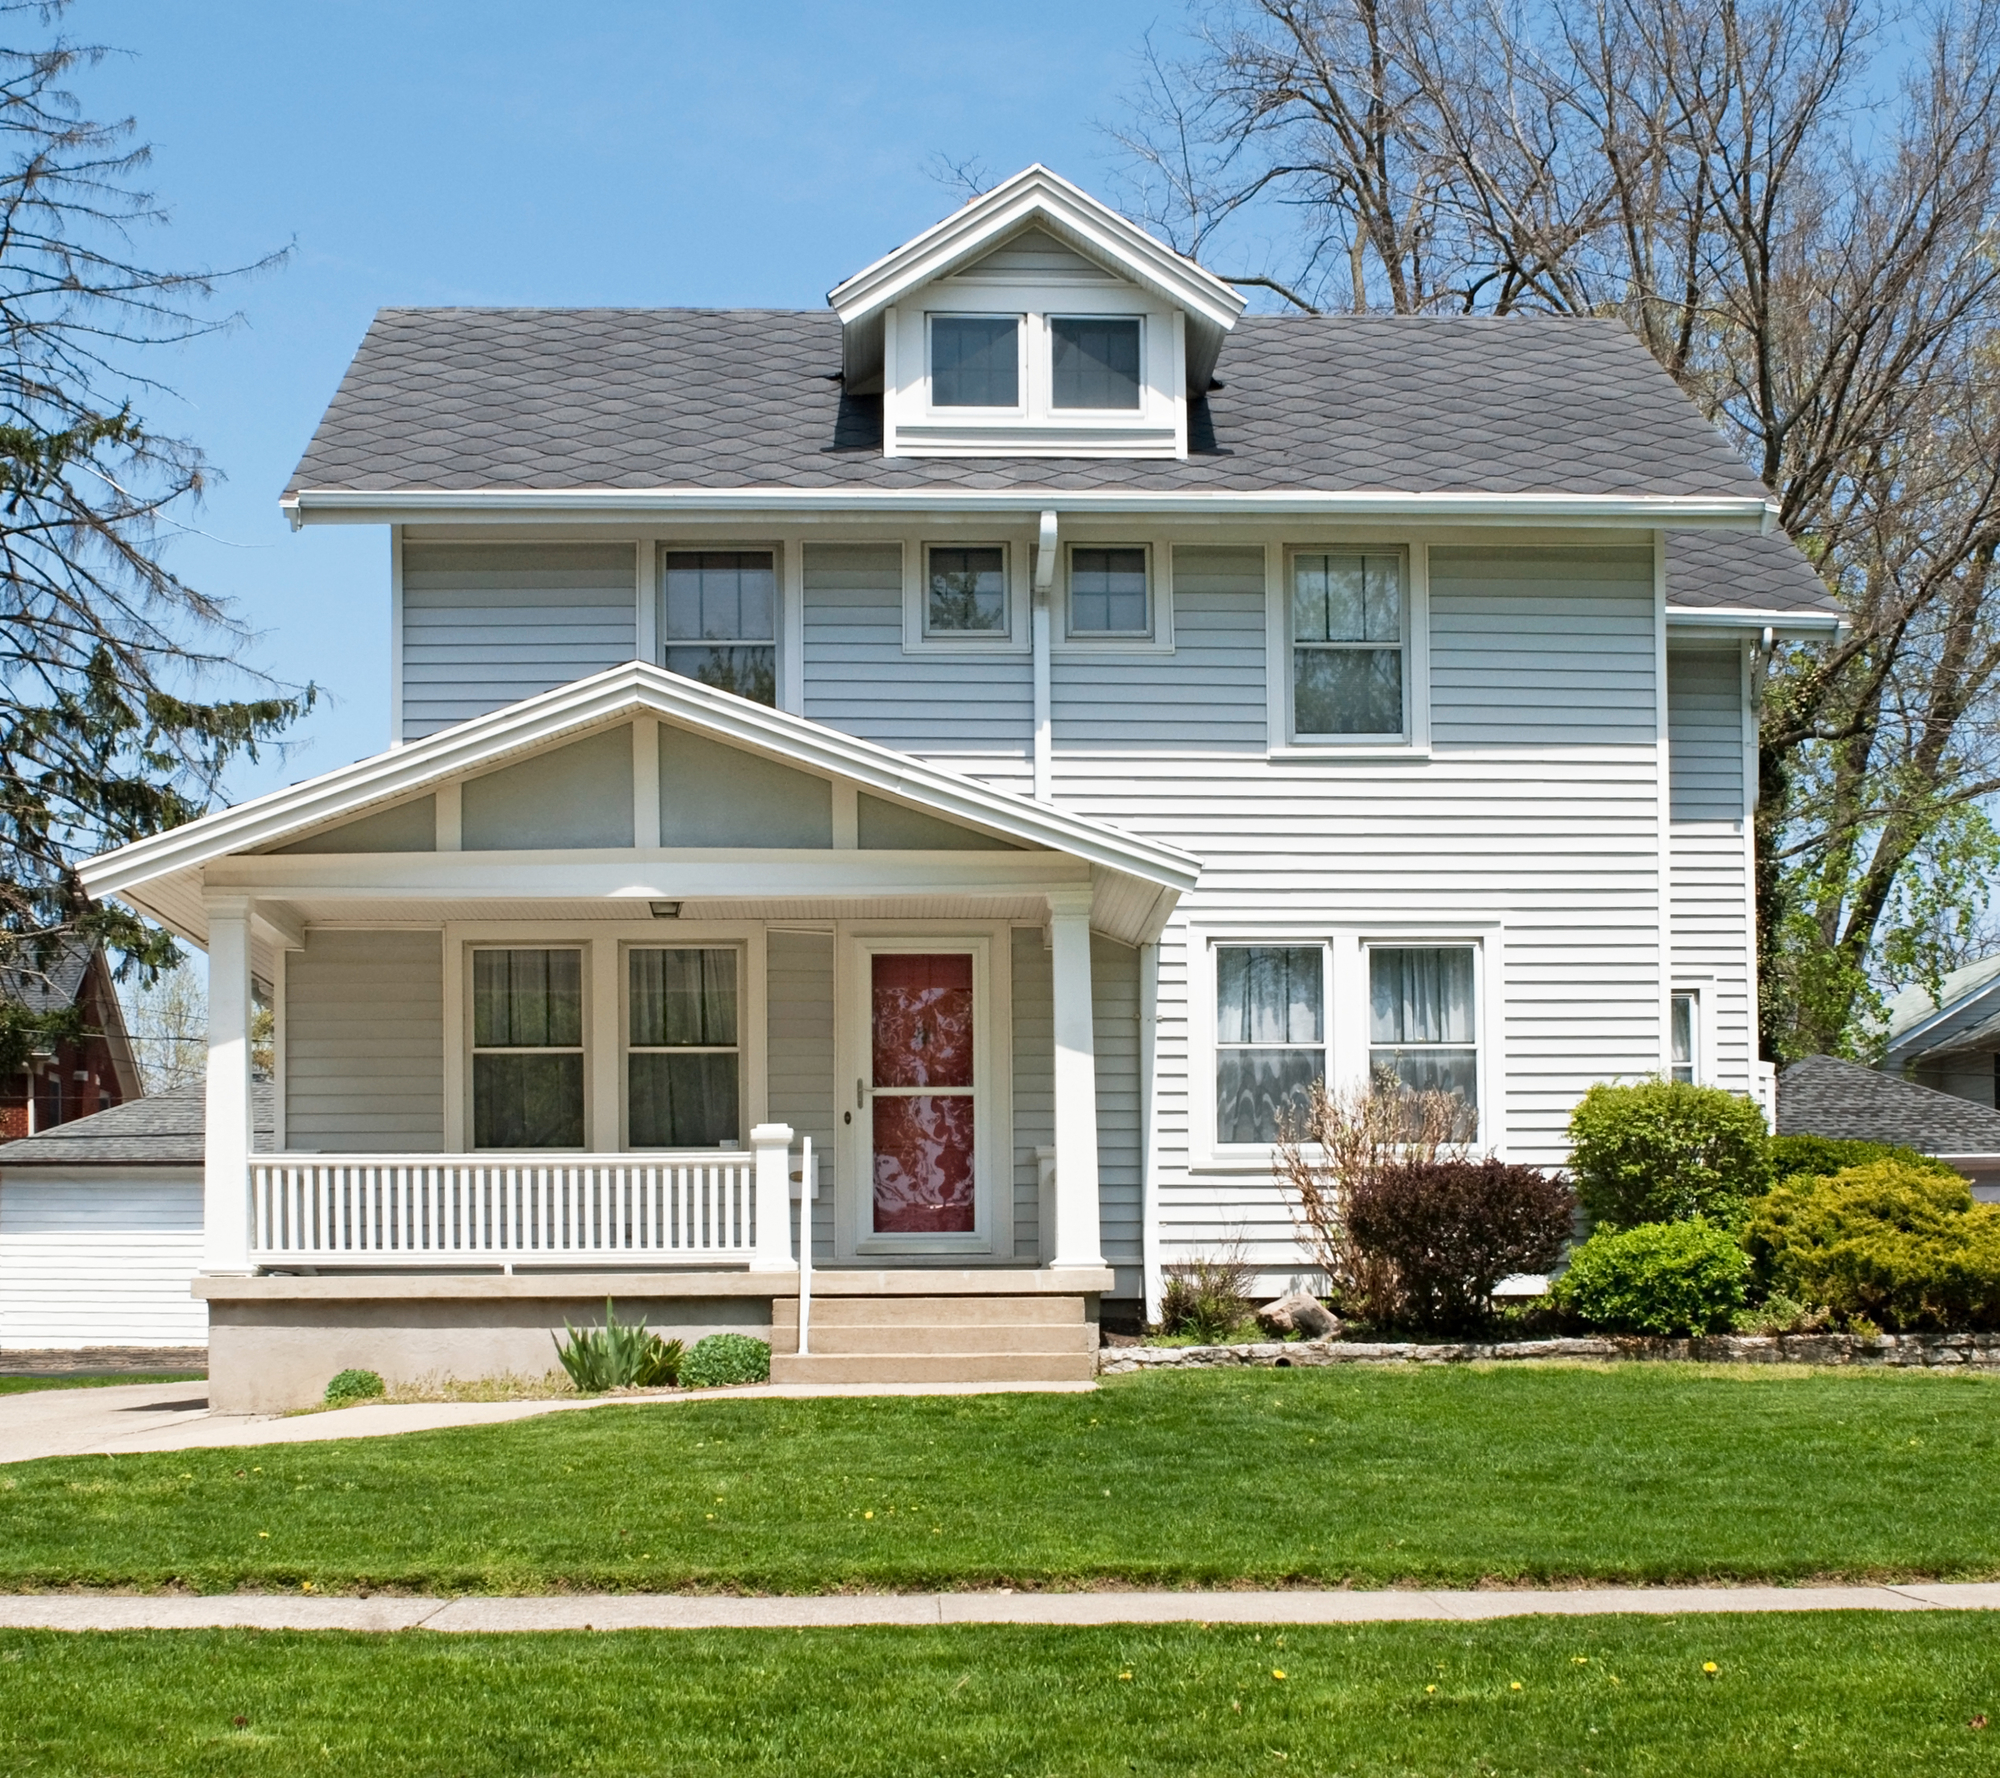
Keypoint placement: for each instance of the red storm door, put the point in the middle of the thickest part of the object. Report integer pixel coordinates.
(921, 1037)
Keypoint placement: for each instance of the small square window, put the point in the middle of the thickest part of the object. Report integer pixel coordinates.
(721, 620)
(1095, 362)
(1347, 645)
(965, 591)
(975, 361)
(1108, 593)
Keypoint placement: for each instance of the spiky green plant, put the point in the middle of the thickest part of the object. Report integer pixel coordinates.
(615, 1357)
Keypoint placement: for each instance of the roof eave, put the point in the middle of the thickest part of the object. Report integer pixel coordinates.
(1736, 618)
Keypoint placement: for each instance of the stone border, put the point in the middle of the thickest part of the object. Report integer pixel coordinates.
(1881, 1351)
(101, 1361)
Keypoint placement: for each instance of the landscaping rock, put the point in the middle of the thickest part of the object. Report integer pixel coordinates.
(1299, 1313)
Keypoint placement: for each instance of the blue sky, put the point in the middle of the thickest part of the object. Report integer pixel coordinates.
(499, 152)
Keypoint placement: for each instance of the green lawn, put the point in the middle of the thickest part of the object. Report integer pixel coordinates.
(1867, 1694)
(1446, 1475)
(34, 1385)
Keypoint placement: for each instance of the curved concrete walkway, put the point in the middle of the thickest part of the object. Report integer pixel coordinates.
(176, 1417)
(673, 1611)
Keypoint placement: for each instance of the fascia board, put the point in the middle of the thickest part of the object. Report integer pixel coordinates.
(633, 688)
(1946, 1022)
(1738, 618)
(1036, 194)
(378, 506)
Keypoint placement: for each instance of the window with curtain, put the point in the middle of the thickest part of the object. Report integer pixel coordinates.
(1683, 1010)
(721, 620)
(1422, 1025)
(1095, 361)
(966, 591)
(1107, 592)
(1270, 1043)
(683, 1060)
(975, 361)
(1347, 645)
(527, 1049)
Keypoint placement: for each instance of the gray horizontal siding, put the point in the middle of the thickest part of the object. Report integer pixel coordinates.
(799, 995)
(858, 678)
(486, 624)
(364, 1043)
(1705, 734)
(1208, 693)
(1540, 647)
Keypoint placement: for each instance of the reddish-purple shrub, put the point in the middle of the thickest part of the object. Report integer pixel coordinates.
(1451, 1230)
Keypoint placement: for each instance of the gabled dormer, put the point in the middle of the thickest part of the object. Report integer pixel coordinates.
(1034, 322)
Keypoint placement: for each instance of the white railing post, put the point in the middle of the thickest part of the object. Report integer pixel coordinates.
(225, 1191)
(807, 1181)
(771, 1145)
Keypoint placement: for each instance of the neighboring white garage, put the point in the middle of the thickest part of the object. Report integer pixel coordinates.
(100, 1228)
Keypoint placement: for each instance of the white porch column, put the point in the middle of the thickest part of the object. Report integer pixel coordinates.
(1078, 1241)
(226, 1163)
(771, 1144)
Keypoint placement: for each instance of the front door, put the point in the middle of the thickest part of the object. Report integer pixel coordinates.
(920, 1134)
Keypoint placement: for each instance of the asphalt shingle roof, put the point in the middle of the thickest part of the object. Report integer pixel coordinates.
(1711, 569)
(1824, 1096)
(165, 1130)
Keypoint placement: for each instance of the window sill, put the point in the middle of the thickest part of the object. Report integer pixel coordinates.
(968, 646)
(1293, 752)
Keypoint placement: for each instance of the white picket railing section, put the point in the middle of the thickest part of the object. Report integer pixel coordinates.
(430, 1209)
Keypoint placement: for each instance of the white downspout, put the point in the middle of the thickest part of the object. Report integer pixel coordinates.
(1149, 1176)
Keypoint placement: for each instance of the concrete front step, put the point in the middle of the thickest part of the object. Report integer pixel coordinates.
(895, 1339)
(933, 1311)
(965, 1367)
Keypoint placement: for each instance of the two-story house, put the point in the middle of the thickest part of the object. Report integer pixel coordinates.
(1009, 730)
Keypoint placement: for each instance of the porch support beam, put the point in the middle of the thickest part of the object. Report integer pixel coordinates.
(226, 1166)
(1078, 1241)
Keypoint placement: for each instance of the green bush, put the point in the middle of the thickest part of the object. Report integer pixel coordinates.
(1902, 1247)
(1663, 1151)
(1656, 1278)
(614, 1357)
(1820, 1157)
(722, 1359)
(355, 1386)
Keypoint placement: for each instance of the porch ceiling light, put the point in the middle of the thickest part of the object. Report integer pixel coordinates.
(665, 910)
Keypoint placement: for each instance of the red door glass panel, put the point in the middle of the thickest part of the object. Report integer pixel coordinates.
(922, 1036)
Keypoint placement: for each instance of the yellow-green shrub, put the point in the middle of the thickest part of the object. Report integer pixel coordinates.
(1898, 1245)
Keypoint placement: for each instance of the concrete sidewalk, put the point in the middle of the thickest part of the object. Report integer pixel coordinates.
(176, 1417)
(671, 1611)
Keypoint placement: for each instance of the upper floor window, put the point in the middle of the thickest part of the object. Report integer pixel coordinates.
(1107, 592)
(1095, 361)
(975, 361)
(722, 620)
(1348, 643)
(965, 591)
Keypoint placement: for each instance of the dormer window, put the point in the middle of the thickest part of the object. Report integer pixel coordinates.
(1095, 361)
(976, 361)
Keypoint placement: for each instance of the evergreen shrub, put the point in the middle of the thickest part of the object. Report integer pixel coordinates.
(1820, 1157)
(1664, 1278)
(1664, 1151)
(1901, 1247)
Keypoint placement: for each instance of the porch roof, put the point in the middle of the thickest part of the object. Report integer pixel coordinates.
(1134, 880)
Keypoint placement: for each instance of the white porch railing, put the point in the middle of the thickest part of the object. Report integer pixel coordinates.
(374, 1210)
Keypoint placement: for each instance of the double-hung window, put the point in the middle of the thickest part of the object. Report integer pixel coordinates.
(1348, 646)
(683, 1059)
(722, 620)
(1423, 1024)
(1270, 1037)
(527, 1048)
(965, 592)
(1108, 592)
(975, 361)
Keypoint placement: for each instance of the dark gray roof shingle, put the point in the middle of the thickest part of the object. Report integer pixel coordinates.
(165, 1130)
(460, 399)
(1707, 570)
(1824, 1096)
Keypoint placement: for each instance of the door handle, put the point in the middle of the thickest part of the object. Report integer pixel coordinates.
(857, 1095)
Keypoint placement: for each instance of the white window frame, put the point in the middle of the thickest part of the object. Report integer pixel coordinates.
(785, 652)
(473, 1049)
(916, 595)
(1415, 740)
(1050, 317)
(1697, 1074)
(603, 944)
(1157, 637)
(675, 941)
(1346, 986)
(1023, 396)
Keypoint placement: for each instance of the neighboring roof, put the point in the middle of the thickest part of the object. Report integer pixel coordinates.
(165, 1130)
(1968, 1000)
(1742, 571)
(643, 400)
(1824, 1096)
(53, 987)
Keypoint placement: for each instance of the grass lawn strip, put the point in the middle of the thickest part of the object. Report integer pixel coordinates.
(36, 1385)
(1448, 1477)
(1807, 1694)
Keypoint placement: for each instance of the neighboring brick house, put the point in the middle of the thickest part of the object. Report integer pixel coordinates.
(79, 1076)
